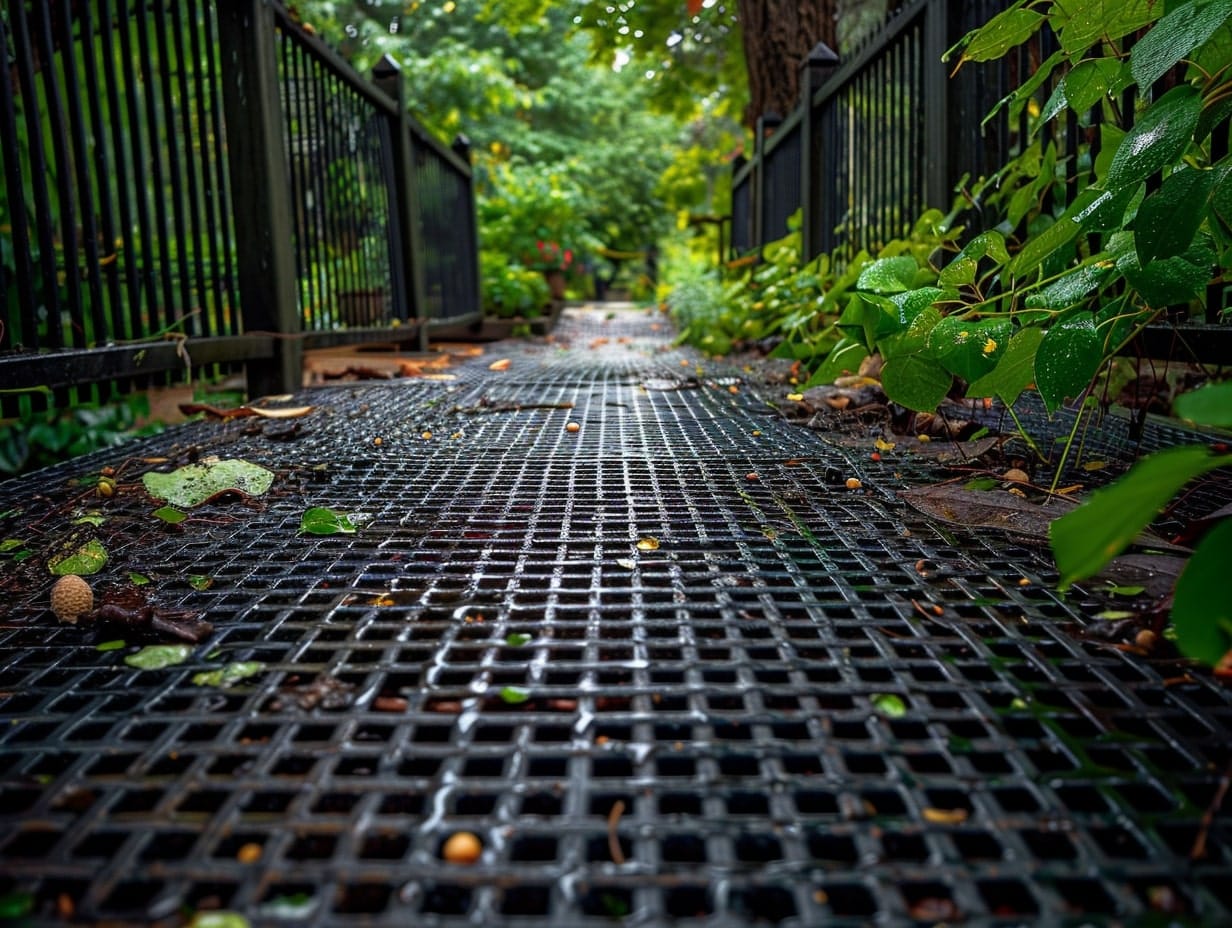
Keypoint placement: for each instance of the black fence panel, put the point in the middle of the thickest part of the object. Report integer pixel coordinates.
(201, 187)
(742, 210)
(116, 209)
(781, 179)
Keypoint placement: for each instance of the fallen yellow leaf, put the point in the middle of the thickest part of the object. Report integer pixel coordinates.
(648, 544)
(501, 365)
(945, 816)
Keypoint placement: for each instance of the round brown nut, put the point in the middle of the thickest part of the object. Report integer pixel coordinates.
(71, 597)
(1016, 475)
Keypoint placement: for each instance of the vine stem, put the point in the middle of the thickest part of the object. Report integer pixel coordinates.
(1024, 434)
(1069, 443)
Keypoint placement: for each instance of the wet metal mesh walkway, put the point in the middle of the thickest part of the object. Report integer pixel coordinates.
(778, 715)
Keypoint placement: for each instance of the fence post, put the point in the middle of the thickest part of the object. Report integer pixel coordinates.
(766, 124)
(818, 66)
(260, 193)
(388, 77)
(936, 106)
(461, 147)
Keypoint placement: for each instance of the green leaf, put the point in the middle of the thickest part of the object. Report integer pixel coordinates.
(1171, 280)
(137, 579)
(888, 704)
(200, 581)
(1065, 291)
(170, 515)
(16, 904)
(90, 518)
(1208, 405)
(962, 270)
(1158, 137)
(1082, 23)
(1129, 591)
(158, 656)
(231, 673)
(1169, 218)
(1025, 91)
(915, 382)
(517, 639)
(914, 302)
(320, 520)
(1086, 539)
(889, 275)
(10, 544)
(1202, 605)
(219, 919)
(1174, 37)
(970, 349)
(1016, 369)
(114, 645)
(1090, 81)
(87, 559)
(1068, 358)
(1001, 33)
(195, 484)
(844, 358)
(514, 695)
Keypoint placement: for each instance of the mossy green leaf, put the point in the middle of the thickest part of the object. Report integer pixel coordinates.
(231, 673)
(1176, 36)
(194, 484)
(889, 275)
(87, 559)
(321, 520)
(1068, 357)
(158, 656)
(514, 695)
(517, 639)
(1157, 139)
(889, 705)
(170, 515)
(113, 645)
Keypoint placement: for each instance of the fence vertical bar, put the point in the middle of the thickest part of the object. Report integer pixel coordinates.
(819, 65)
(388, 76)
(264, 230)
(936, 105)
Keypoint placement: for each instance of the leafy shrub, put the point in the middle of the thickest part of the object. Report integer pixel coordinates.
(42, 439)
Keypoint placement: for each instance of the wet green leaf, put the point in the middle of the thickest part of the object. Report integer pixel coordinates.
(1174, 37)
(9, 545)
(1169, 218)
(321, 520)
(114, 645)
(915, 382)
(1084, 540)
(1208, 405)
(231, 673)
(85, 560)
(514, 695)
(1114, 615)
(890, 705)
(90, 518)
(962, 270)
(970, 349)
(1090, 81)
(1171, 280)
(1082, 23)
(1157, 139)
(170, 515)
(1001, 33)
(1065, 291)
(1129, 591)
(219, 919)
(195, 484)
(889, 275)
(200, 581)
(137, 579)
(844, 358)
(517, 639)
(158, 656)
(1068, 357)
(1202, 607)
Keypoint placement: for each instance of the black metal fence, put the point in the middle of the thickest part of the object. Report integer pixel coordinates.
(204, 186)
(885, 134)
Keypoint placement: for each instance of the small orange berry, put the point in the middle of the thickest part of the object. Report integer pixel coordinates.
(377, 441)
(853, 483)
(572, 427)
(462, 847)
(751, 475)
(249, 853)
(876, 456)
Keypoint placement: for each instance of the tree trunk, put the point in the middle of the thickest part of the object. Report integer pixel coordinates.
(778, 35)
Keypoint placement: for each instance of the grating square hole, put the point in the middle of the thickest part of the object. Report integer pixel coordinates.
(614, 767)
(977, 845)
(526, 900)
(688, 902)
(533, 847)
(446, 899)
(676, 766)
(557, 767)
(849, 899)
(384, 847)
(897, 845)
(133, 897)
(683, 848)
(474, 803)
(400, 804)
(599, 848)
(610, 901)
(758, 848)
(362, 898)
(1049, 845)
(1085, 895)
(32, 843)
(1118, 842)
(831, 847)
(168, 845)
(878, 802)
(601, 804)
(1013, 799)
(763, 903)
(312, 847)
(929, 902)
(1006, 898)
(680, 804)
(485, 767)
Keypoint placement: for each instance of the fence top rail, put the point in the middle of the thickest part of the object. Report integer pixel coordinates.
(899, 21)
(337, 65)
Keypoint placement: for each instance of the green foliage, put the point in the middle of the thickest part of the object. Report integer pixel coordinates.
(509, 289)
(42, 439)
(194, 484)
(321, 520)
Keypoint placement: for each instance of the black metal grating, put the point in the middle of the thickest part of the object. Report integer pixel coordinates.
(725, 689)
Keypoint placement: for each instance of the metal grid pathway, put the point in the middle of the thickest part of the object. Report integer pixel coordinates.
(800, 704)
